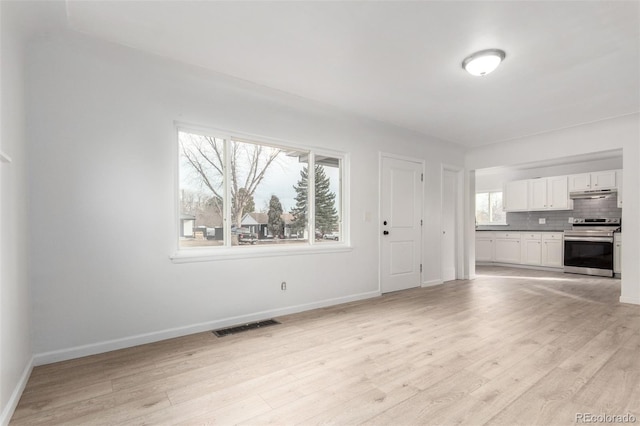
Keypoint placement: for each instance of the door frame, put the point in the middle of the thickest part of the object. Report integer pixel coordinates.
(421, 162)
(459, 217)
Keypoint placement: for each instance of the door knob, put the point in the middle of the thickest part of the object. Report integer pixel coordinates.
(384, 223)
(385, 232)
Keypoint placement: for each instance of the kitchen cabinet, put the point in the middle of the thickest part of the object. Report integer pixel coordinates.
(516, 196)
(619, 182)
(590, 181)
(549, 194)
(484, 246)
(581, 182)
(531, 244)
(552, 193)
(507, 247)
(538, 194)
(523, 248)
(603, 180)
(617, 253)
(553, 249)
(558, 193)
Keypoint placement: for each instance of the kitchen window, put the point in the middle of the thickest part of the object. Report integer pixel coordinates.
(235, 193)
(489, 209)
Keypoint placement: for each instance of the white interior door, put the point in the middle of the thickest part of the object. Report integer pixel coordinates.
(449, 214)
(401, 229)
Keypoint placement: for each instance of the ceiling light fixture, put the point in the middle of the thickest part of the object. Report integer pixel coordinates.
(483, 62)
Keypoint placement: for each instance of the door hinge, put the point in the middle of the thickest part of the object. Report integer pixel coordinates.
(421, 177)
(421, 267)
(420, 222)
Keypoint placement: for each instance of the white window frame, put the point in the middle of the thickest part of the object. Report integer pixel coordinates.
(490, 213)
(227, 252)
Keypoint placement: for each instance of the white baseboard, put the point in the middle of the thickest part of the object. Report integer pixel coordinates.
(522, 266)
(431, 283)
(141, 339)
(8, 410)
(629, 300)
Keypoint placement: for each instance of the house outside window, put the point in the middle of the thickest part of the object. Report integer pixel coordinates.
(489, 209)
(238, 192)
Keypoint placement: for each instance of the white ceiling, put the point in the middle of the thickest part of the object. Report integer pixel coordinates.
(568, 62)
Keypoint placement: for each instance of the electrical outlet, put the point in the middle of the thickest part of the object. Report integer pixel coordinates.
(283, 286)
(542, 221)
(570, 220)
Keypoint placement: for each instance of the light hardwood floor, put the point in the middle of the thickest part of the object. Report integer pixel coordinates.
(514, 346)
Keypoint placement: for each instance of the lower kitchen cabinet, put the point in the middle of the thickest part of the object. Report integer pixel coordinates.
(531, 248)
(553, 250)
(522, 248)
(484, 246)
(507, 247)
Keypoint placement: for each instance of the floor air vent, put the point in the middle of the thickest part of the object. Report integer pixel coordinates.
(240, 328)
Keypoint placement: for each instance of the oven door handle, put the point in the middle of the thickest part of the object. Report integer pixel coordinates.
(590, 239)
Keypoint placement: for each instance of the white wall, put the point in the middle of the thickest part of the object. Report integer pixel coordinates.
(15, 312)
(102, 151)
(618, 133)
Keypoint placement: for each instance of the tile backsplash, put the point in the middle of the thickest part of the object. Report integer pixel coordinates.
(558, 220)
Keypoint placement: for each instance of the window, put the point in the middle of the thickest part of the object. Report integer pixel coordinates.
(235, 192)
(489, 210)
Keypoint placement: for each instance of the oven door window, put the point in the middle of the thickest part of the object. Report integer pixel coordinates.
(588, 254)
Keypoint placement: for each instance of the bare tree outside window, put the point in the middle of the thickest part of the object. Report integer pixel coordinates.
(249, 163)
(255, 197)
(489, 209)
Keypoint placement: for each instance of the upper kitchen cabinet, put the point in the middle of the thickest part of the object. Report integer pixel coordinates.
(619, 182)
(553, 193)
(603, 180)
(558, 193)
(516, 196)
(581, 182)
(549, 193)
(591, 181)
(538, 194)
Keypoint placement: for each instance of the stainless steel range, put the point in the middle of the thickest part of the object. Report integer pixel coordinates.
(588, 247)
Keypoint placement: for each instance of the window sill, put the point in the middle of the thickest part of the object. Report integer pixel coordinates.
(232, 253)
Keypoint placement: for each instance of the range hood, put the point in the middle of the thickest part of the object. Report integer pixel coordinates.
(595, 193)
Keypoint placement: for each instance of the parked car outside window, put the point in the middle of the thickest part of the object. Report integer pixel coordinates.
(332, 236)
(245, 236)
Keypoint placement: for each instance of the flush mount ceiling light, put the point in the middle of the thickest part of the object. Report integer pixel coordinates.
(483, 62)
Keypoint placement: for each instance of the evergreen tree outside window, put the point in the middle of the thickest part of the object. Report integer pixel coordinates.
(275, 224)
(328, 197)
(326, 201)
